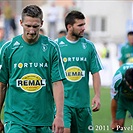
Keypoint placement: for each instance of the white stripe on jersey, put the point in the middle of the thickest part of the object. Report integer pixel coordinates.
(54, 43)
(115, 79)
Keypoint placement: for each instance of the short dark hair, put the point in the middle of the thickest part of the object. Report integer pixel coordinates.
(32, 11)
(130, 33)
(71, 16)
(129, 76)
(62, 32)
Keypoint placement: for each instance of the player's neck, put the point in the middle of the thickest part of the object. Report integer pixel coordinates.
(71, 38)
(30, 41)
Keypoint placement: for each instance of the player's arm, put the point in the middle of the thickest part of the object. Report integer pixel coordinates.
(96, 85)
(113, 109)
(116, 82)
(2, 98)
(114, 98)
(58, 92)
(114, 122)
(120, 63)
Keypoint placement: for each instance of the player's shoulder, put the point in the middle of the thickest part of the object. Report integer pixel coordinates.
(12, 44)
(85, 40)
(48, 41)
(60, 40)
(125, 45)
(6, 45)
(88, 43)
(126, 66)
(122, 69)
(15, 41)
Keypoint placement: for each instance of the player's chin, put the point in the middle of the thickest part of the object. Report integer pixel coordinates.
(81, 36)
(31, 36)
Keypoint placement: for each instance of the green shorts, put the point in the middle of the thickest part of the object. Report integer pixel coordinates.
(78, 120)
(12, 127)
(124, 105)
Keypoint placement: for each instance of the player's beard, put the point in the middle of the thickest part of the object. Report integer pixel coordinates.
(77, 35)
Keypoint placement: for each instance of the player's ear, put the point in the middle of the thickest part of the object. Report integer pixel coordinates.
(69, 26)
(42, 23)
(21, 22)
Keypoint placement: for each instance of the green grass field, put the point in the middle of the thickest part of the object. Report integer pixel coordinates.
(102, 118)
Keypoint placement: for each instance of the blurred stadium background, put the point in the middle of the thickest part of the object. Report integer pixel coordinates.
(106, 22)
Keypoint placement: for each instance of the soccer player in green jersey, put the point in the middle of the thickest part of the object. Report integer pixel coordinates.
(126, 55)
(79, 57)
(122, 96)
(31, 79)
(127, 50)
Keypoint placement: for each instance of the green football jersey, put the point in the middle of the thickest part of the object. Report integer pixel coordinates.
(119, 84)
(29, 71)
(126, 53)
(79, 58)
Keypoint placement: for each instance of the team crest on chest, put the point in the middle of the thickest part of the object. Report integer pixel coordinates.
(84, 45)
(44, 47)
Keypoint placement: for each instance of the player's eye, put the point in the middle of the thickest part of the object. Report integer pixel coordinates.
(36, 26)
(28, 26)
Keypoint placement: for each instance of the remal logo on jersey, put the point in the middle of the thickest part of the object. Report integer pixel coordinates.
(74, 73)
(31, 82)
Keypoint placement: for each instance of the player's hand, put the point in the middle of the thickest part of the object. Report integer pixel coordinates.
(1, 127)
(114, 125)
(58, 125)
(96, 104)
